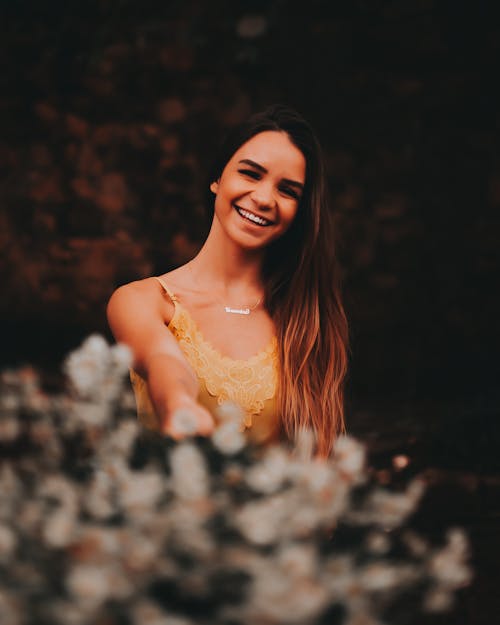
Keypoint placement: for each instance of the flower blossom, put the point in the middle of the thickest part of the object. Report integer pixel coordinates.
(228, 438)
(189, 472)
(268, 474)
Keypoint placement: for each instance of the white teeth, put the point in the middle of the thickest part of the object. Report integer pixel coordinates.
(252, 217)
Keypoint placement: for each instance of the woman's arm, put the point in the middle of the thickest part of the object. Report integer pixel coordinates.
(136, 315)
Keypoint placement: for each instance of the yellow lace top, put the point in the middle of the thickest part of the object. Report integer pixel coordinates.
(250, 383)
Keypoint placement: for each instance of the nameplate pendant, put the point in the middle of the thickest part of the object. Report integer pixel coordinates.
(237, 311)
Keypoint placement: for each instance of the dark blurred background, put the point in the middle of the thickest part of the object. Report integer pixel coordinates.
(110, 112)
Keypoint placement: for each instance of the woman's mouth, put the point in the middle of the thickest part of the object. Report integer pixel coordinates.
(252, 217)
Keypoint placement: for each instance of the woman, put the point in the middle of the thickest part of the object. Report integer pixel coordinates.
(256, 316)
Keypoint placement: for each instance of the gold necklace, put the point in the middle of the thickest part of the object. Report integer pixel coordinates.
(245, 310)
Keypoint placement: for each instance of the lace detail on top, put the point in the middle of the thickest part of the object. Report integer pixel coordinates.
(248, 383)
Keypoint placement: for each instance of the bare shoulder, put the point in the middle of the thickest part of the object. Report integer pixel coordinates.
(139, 299)
(148, 288)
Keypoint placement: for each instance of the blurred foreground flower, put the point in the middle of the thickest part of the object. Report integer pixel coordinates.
(96, 370)
(103, 522)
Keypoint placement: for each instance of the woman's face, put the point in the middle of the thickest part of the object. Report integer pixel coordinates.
(258, 193)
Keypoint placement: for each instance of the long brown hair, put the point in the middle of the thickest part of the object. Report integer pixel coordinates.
(301, 280)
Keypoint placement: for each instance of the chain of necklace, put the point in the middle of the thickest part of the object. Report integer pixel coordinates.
(244, 310)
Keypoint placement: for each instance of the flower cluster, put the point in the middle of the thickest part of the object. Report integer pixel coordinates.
(101, 521)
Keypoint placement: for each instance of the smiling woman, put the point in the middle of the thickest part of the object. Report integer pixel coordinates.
(256, 317)
(262, 183)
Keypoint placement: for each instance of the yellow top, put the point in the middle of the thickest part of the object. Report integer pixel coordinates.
(249, 383)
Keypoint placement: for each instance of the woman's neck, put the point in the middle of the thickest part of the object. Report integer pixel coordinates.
(230, 269)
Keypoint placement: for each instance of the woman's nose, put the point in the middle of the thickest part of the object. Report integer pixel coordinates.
(263, 195)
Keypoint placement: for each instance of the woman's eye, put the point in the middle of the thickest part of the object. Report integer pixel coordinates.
(250, 172)
(290, 192)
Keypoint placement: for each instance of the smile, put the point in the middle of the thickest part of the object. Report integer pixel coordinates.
(249, 216)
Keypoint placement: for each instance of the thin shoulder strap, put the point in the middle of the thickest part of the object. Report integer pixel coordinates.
(172, 296)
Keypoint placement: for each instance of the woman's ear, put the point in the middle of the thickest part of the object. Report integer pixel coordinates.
(214, 187)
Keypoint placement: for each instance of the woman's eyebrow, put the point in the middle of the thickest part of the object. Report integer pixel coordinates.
(293, 183)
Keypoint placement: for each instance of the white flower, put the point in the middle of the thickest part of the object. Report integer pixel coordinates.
(62, 490)
(98, 498)
(86, 367)
(268, 475)
(339, 575)
(359, 616)
(120, 581)
(10, 377)
(97, 544)
(314, 475)
(39, 402)
(298, 560)
(96, 370)
(304, 518)
(386, 509)
(438, 600)
(8, 543)
(123, 438)
(86, 413)
(380, 576)
(349, 458)
(190, 479)
(324, 490)
(198, 542)
(457, 542)
(230, 411)
(121, 358)
(10, 429)
(392, 509)
(127, 400)
(42, 431)
(189, 515)
(146, 612)
(448, 565)
(117, 469)
(228, 438)
(261, 521)
(278, 598)
(59, 527)
(141, 490)
(10, 485)
(139, 553)
(30, 515)
(88, 583)
(184, 422)
(9, 402)
(415, 543)
(30, 381)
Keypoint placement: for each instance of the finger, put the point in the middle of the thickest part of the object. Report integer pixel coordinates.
(206, 423)
(167, 430)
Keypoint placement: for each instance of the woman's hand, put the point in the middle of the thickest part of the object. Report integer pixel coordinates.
(186, 417)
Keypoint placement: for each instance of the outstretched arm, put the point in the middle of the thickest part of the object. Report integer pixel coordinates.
(137, 317)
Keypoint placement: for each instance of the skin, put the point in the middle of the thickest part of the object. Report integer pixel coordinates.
(264, 176)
